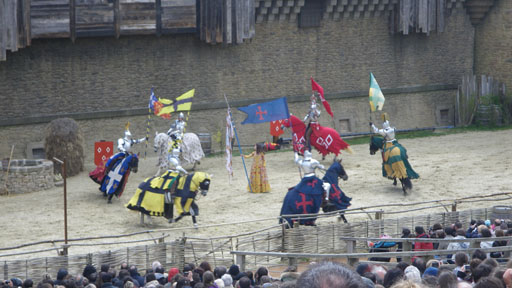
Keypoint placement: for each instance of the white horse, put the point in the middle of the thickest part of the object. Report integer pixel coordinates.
(191, 150)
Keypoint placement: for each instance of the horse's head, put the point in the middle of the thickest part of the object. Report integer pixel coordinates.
(337, 169)
(376, 143)
(202, 180)
(134, 162)
(160, 139)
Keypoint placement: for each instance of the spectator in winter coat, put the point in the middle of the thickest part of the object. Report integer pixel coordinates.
(454, 246)
(136, 276)
(421, 246)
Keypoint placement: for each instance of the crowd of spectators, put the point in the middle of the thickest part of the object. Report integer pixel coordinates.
(481, 270)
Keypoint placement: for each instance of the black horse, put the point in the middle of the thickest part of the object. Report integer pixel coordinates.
(395, 163)
(309, 196)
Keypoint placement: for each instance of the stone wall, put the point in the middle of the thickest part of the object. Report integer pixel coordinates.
(493, 53)
(87, 79)
(26, 176)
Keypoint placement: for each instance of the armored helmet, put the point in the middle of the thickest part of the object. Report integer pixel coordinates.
(127, 134)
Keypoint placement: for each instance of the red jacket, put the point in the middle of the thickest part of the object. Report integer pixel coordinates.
(423, 246)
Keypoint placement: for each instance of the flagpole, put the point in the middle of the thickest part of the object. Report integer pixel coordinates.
(238, 142)
(148, 125)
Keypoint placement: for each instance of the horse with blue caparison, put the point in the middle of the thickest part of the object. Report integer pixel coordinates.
(310, 195)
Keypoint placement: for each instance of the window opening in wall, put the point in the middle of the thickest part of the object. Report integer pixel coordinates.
(344, 125)
(444, 115)
(311, 14)
(38, 153)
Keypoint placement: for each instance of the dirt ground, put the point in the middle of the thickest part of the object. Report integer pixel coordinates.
(450, 166)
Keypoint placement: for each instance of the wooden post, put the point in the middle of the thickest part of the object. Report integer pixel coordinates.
(378, 215)
(292, 261)
(475, 244)
(351, 247)
(8, 168)
(406, 247)
(240, 261)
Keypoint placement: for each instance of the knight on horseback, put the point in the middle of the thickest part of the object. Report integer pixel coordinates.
(395, 162)
(176, 133)
(125, 144)
(309, 165)
(387, 131)
(113, 175)
(178, 127)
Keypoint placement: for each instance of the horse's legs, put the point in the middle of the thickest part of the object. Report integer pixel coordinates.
(394, 181)
(406, 185)
(110, 198)
(194, 221)
(177, 218)
(342, 217)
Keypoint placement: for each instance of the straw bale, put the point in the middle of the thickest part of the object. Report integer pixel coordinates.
(64, 140)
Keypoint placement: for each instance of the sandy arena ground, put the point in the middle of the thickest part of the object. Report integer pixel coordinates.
(450, 167)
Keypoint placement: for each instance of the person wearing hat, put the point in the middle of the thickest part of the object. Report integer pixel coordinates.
(430, 271)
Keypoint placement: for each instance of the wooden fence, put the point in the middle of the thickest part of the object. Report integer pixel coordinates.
(474, 93)
(352, 256)
(324, 240)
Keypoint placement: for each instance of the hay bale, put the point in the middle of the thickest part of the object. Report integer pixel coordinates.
(64, 140)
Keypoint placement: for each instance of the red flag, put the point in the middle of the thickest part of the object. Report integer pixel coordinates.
(320, 90)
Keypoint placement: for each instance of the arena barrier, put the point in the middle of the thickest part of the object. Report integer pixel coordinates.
(302, 243)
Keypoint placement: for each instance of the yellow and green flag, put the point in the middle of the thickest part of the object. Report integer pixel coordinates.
(376, 97)
(182, 103)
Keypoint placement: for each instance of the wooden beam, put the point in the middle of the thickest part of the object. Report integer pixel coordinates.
(229, 22)
(12, 25)
(3, 31)
(20, 26)
(27, 22)
(72, 20)
(158, 8)
(117, 19)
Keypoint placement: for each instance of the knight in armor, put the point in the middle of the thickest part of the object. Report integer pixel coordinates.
(124, 145)
(174, 157)
(309, 165)
(312, 120)
(177, 127)
(387, 131)
(176, 133)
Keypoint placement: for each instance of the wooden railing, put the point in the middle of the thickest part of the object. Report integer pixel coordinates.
(353, 257)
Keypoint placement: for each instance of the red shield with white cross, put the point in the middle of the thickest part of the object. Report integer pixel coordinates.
(103, 150)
